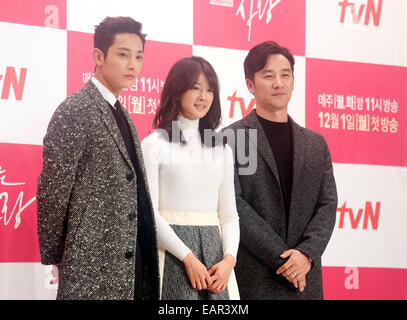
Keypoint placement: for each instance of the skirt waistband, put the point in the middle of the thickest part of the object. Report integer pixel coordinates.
(189, 218)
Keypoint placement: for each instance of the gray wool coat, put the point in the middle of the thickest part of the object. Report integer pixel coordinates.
(263, 231)
(87, 203)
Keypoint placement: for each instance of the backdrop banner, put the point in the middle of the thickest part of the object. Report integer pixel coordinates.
(350, 86)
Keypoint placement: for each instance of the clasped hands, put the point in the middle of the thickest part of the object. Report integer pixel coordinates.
(215, 279)
(295, 268)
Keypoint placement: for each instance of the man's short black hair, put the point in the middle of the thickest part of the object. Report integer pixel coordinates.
(256, 59)
(106, 31)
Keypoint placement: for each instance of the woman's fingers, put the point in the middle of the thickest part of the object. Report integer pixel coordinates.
(212, 270)
(204, 280)
(218, 287)
(215, 279)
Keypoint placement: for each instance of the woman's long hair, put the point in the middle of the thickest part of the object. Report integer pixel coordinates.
(183, 76)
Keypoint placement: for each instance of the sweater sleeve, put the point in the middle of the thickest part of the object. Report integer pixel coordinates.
(228, 216)
(151, 147)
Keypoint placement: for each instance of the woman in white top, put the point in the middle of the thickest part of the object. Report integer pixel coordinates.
(192, 188)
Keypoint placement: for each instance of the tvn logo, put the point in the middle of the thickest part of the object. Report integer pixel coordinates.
(355, 218)
(9, 81)
(244, 110)
(369, 8)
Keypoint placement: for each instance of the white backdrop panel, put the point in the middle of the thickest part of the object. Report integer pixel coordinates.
(353, 40)
(43, 52)
(384, 247)
(163, 20)
(22, 281)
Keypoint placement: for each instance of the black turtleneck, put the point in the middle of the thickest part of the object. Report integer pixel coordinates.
(280, 138)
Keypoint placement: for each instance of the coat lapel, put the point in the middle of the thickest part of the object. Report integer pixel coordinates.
(299, 144)
(136, 140)
(265, 152)
(298, 152)
(109, 120)
(263, 146)
(264, 149)
(134, 135)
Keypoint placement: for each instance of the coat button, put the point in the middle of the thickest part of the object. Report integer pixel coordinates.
(132, 216)
(129, 255)
(130, 176)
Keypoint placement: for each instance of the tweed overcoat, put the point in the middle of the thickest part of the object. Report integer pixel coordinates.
(264, 234)
(87, 203)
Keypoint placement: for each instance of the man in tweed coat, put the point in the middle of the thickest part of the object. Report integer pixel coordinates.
(95, 217)
(287, 206)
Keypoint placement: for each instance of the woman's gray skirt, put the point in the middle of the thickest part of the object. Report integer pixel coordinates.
(202, 236)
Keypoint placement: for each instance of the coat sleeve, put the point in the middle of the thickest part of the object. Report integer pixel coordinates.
(63, 147)
(320, 227)
(256, 235)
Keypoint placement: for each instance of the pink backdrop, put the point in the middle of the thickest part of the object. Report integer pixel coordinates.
(350, 85)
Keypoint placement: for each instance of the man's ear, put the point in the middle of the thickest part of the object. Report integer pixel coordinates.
(250, 85)
(98, 56)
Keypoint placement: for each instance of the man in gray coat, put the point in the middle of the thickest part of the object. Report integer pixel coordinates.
(95, 217)
(287, 206)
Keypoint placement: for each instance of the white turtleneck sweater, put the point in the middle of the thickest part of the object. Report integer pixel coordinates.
(191, 177)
